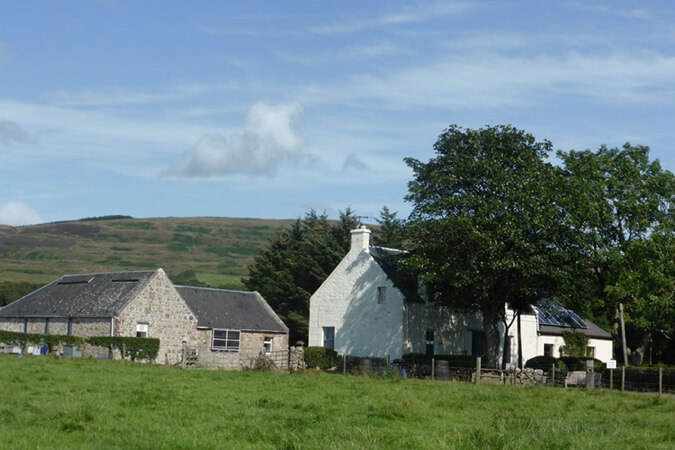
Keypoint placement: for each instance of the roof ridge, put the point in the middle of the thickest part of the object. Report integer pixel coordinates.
(213, 289)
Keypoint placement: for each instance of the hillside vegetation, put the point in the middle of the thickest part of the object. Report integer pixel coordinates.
(209, 251)
(86, 403)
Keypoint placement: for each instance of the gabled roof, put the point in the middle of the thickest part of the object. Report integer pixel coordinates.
(84, 295)
(238, 310)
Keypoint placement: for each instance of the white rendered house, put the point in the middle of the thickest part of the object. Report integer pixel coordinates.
(359, 311)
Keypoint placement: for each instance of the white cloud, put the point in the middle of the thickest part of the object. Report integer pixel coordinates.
(11, 133)
(469, 81)
(269, 139)
(17, 214)
(409, 15)
(355, 163)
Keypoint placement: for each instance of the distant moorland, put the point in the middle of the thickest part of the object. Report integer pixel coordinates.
(209, 251)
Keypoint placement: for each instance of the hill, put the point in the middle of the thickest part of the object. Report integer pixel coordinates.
(209, 251)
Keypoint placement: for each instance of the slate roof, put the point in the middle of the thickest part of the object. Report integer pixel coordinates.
(238, 310)
(85, 295)
(386, 259)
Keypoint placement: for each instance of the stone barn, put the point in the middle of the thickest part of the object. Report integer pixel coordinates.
(234, 328)
(135, 304)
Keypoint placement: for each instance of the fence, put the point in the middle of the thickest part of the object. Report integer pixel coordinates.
(245, 358)
(654, 380)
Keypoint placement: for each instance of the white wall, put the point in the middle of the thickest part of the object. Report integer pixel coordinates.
(348, 301)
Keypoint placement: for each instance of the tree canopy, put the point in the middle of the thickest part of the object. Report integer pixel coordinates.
(621, 210)
(295, 263)
(486, 223)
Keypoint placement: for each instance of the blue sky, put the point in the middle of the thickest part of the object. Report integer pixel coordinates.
(268, 109)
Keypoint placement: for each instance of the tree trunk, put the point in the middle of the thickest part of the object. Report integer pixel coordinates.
(491, 330)
(520, 346)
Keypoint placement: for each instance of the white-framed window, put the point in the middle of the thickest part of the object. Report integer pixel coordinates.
(142, 330)
(590, 352)
(381, 294)
(267, 345)
(329, 337)
(225, 340)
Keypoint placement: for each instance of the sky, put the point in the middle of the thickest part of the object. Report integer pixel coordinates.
(270, 109)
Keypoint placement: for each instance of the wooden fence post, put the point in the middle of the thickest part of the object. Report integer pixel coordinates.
(477, 369)
(623, 378)
(184, 354)
(660, 381)
(611, 379)
(553, 375)
(344, 364)
(433, 368)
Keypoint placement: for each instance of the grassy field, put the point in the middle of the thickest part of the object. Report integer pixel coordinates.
(216, 250)
(80, 403)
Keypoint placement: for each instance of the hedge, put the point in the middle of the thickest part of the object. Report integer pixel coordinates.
(133, 347)
(320, 357)
(467, 361)
(545, 363)
(52, 340)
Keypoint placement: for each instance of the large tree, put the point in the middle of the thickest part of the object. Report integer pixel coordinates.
(486, 224)
(295, 263)
(622, 212)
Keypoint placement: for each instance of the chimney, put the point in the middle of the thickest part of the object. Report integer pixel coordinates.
(360, 239)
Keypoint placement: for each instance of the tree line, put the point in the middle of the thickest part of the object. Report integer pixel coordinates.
(494, 221)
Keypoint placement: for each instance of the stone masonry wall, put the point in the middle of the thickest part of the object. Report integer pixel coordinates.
(250, 345)
(168, 318)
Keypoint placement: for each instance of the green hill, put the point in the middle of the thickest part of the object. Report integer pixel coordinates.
(209, 251)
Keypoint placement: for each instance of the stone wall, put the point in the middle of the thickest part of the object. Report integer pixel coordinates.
(168, 318)
(250, 346)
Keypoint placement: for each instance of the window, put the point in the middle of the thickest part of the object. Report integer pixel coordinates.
(142, 330)
(548, 349)
(590, 352)
(267, 345)
(329, 337)
(70, 327)
(225, 340)
(381, 294)
(430, 342)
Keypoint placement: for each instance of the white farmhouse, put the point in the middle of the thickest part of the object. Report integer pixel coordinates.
(359, 311)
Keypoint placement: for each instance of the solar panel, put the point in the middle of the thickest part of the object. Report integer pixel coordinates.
(75, 279)
(554, 314)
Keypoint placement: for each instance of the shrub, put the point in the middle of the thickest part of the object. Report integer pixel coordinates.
(52, 340)
(468, 361)
(575, 344)
(579, 362)
(321, 357)
(545, 363)
(133, 347)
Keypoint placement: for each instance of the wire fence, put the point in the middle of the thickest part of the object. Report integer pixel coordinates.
(650, 380)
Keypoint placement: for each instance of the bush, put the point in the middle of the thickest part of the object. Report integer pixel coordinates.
(545, 363)
(52, 340)
(467, 361)
(579, 362)
(321, 357)
(133, 347)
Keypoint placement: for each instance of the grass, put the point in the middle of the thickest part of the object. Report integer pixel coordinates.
(80, 403)
(219, 249)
